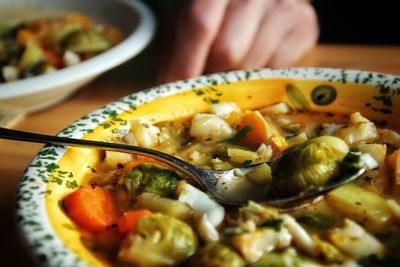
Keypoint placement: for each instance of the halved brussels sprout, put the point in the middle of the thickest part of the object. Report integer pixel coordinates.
(31, 55)
(60, 33)
(87, 41)
(310, 164)
(151, 178)
(217, 255)
(158, 240)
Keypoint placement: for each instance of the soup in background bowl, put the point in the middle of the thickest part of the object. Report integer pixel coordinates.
(83, 207)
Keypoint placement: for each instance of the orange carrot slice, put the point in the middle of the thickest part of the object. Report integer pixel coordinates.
(131, 219)
(25, 36)
(258, 133)
(91, 207)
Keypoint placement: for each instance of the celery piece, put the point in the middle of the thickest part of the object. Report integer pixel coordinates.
(260, 174)
(239, 156)
(171, 207)
(361, 205)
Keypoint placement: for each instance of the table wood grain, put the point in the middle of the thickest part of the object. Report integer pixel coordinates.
(126, 79)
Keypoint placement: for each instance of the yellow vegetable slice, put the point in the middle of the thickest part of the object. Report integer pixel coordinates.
(361, 205)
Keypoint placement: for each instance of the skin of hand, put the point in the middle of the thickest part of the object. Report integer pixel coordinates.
(221, 35)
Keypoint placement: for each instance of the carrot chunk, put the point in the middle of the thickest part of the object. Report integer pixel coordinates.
(25, 36)
(91, 207)
(258, 133)
(131, 219)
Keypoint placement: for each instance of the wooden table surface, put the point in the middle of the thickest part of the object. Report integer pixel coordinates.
(126, 79)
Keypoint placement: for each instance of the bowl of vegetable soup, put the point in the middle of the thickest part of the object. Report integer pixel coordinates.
(51, 51)
(301, 128)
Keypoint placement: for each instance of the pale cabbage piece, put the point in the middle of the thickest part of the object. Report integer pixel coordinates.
(297, 139)
(197, 154)
(389, 137)
(207, 230)
(210, 127)
(237, 188)
(380, 181)
(10, 73)
(359, 130)
(264, 152)
(113, 159)
(130, 139)
(145, 133)
(224, 109)
(276, 109)
(201, 203)
(70, 58)
(355, 241)
(253, 245)
(258, 213)
(300, 236)
(330, 128)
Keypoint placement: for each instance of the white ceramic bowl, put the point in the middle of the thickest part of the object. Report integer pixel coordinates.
(133, 18)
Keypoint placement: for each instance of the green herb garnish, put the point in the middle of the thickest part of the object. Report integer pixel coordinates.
(275, 224)
(240, 135)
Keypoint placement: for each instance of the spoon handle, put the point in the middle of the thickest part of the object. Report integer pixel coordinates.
(187, 168)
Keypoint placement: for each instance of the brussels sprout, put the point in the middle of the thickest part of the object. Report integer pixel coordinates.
(217, 255)
(60, 33)
(151, 178)
(158, 240)
(31, 55)
(310, 164)
(87, 41)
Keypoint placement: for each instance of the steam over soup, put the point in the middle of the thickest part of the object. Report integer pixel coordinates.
(139, 212)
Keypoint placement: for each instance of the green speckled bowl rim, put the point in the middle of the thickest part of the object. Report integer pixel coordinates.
(32, 222)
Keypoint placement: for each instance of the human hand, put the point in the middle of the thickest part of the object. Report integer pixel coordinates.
(212, 36)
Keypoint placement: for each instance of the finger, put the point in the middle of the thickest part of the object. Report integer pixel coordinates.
(300, 40)
(275, 26)
(237, 33)
(197, 27)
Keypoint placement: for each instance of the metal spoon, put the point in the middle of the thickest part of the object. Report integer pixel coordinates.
(207, 179)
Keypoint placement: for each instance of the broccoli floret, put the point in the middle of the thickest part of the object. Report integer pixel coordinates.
(151, 178)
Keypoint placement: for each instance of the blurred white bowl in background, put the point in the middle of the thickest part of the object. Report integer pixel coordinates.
(131, 17)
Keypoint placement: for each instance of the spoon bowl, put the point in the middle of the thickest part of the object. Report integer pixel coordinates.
(207, 179)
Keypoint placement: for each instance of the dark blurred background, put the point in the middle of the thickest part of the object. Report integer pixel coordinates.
(341, 21)
(351, 21)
